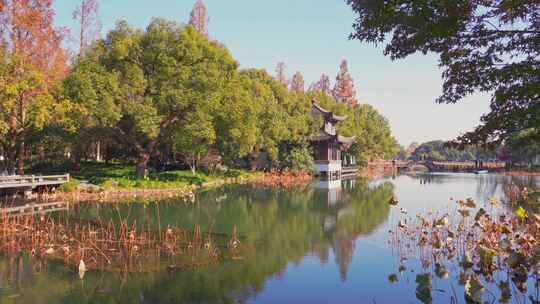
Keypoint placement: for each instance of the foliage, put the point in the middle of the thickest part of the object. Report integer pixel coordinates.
(441, 151)
(70, 186)
(497, 243)
(297, 83)
(523, 146)
(199, 18)
(123, 176)
(298, 159)
(27, 77)
(25, 105)
(260, 115)
(322, 85)
(194, 138)
(486, 46)
(344, 88)
(281, 75)
(158, 95)
(153, 92)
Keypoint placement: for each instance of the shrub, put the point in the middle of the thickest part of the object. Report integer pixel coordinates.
(69, 186)
(297, 158)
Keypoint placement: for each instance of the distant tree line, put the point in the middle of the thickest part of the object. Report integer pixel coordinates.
(517, 150)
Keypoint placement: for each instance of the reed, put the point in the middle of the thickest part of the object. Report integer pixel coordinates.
(120, 247)
(285, 179)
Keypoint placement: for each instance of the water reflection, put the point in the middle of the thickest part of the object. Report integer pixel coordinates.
(277, 228)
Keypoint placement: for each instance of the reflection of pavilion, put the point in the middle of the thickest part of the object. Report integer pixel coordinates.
(343, 246)
(332, 189)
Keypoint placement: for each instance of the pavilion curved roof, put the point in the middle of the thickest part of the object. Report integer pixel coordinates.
(326, 113)
(346, 141)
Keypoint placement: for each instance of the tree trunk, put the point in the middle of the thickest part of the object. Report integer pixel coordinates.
(41, 153)
(98, 151)
(11, 156)
(253, 160)
(20, 160)
(193, 166)
(142, 165)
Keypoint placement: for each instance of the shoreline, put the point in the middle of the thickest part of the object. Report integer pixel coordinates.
(186, 193)
(521, 173)
(95, 193)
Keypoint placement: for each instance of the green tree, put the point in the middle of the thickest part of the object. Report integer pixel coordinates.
(194, 137)
(260, 115)
(524, 146)
(486, 46)
(94, 110)
(25, 106)
(157, 77)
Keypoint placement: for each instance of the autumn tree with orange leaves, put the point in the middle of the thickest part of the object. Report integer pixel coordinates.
(33, 62)
(344, 89)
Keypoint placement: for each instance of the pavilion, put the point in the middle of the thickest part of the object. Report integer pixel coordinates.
(328, 145)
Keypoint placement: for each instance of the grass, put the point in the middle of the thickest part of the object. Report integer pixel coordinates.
(122, 176)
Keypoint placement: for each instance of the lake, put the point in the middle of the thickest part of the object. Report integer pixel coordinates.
(322, 243)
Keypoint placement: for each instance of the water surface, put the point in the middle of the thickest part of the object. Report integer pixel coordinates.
(323, 243)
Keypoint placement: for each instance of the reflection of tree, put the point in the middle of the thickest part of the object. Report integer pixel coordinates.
(487, 186)
(343, 250)
(276, 227)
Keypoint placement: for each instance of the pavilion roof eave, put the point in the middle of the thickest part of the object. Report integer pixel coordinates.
(346, 142)
(327, 113)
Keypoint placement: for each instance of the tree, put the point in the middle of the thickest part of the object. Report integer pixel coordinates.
(281, 75)
(162, 74)
(34, 62)
(261, 115)
(19, 112)
(94, 110)
(27, 29)
(323, 85)
(524, 146)
(199, 18)
(87, 14)
(446, 151)
(483, 46)
(194, 137)
(297, 83)
(344, 89)
(297, 158)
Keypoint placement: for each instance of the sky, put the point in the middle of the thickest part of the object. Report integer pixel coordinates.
(311, 36)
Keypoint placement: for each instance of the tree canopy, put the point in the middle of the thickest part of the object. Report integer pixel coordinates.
(483, 46)
(154, 79)
(162, 94)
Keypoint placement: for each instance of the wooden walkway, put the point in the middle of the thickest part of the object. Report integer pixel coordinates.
(32, 182)
(31, 209)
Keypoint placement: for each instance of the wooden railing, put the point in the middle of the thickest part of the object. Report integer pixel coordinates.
(30, 209)
(18, 181)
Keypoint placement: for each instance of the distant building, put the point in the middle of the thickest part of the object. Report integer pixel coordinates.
(328, 145)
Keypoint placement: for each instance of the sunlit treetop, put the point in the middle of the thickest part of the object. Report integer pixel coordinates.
(344, 89)
(199, 17)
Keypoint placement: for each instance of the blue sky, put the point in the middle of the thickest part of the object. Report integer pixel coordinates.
(311, 36)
